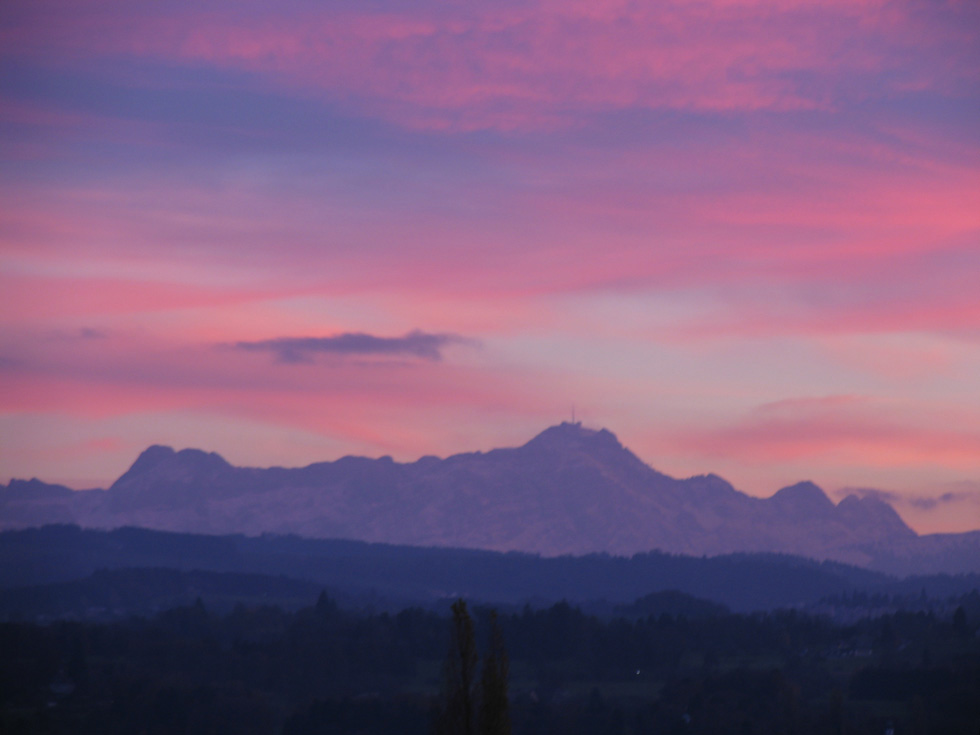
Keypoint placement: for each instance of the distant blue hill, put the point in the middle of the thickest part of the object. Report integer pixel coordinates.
(401, 575)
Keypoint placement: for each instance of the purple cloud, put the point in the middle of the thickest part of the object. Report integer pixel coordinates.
(926, 503)
(922, 502)
(302, 349)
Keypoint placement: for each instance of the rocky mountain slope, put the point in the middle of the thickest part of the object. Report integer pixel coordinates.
(570, 490)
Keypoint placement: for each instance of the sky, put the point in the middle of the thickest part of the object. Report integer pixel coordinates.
(743, 235)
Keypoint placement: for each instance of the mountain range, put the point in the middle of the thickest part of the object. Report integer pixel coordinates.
(570, 490)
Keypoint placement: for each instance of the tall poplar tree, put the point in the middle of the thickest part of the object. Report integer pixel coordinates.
(494, 706)
(458, 715)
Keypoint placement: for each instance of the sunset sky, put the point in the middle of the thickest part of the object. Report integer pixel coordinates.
(743, 235)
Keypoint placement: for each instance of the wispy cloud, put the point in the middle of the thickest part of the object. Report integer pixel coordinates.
(303, 349)
(848, 429)
(920, 502)
(926, 503)
(510, 66)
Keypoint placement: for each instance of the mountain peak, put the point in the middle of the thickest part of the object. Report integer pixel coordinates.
(874, 516)
(151, 457)
(198, 459)
(162, 461)
(805, 496)
(573, 434)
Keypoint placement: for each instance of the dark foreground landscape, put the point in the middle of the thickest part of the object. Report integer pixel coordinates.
(138, 631)
(321, 669)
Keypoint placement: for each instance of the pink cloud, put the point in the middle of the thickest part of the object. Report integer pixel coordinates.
(339, 394)
(517, 67)
(844, 430)
(38, 298)
(80, 450)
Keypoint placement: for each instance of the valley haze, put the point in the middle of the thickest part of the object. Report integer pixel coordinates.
(569, 490)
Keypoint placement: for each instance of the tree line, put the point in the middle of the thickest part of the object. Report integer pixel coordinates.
(322, 669)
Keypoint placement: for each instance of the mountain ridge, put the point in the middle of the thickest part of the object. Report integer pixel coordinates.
(568, 490)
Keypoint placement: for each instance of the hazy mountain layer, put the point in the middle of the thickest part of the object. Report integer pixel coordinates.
(395, 577)
(570, 490)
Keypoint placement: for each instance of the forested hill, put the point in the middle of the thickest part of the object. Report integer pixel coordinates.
(406, 575)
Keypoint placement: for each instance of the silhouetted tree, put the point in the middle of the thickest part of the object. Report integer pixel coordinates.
(494, 706)
(457, 717)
